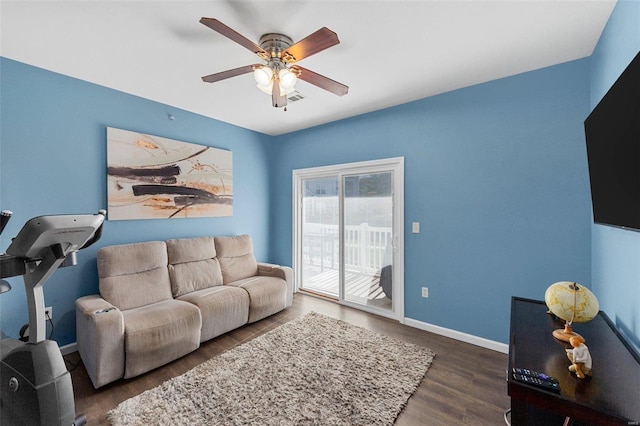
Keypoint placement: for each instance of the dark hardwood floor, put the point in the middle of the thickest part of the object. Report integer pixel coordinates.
(464, 385)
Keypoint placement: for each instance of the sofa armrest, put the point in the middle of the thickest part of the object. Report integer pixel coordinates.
(100, 338)
(284, 272)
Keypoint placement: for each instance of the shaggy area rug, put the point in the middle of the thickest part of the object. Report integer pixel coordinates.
(312, 370)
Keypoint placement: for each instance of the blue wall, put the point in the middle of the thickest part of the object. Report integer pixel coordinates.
(53, 158)
(496, 174)
(616, 252)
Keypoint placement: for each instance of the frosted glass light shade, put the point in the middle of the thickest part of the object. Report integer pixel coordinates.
(286, 91)
(287, 79)
(266, 88)
(263, 76)
(269, 87)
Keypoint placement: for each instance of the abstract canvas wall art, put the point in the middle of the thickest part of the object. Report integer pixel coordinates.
(151, 177)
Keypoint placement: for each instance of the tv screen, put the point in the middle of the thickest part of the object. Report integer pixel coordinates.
(613, 149)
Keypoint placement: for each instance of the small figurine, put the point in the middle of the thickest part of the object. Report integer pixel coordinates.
(580, 357)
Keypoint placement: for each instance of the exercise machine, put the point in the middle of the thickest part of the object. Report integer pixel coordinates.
(35, 386)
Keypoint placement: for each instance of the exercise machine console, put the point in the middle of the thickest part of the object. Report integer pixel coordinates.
(35, 386)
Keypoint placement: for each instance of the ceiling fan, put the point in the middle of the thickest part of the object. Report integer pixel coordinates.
(278, 76)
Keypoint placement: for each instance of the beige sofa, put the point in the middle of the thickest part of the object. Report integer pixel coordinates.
(159, 300)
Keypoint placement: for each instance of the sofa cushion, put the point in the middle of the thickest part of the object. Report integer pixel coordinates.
(192, 265)
(134, 275)
(223, 308)
(267, 295)
(236, 258)
(159, 333)
(183, 250)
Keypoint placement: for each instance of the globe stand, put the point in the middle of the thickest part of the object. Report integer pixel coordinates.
(565, 333)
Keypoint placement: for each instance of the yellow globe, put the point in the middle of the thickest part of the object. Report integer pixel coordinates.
(571, 301)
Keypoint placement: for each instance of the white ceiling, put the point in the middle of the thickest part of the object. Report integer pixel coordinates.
(391, 52)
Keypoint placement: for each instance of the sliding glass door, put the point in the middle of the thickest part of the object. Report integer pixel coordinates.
(348, 226)
(319, 227)
(368, 239)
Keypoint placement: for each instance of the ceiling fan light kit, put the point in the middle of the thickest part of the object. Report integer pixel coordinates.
(265, 77)
(278, 76)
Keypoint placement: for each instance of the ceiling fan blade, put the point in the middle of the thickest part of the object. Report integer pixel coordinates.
(321, 81)
(232, 34)
(310, 45)
(212, 78)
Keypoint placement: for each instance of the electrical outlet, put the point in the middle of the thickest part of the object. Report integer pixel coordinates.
(425, 291)
(48, 313)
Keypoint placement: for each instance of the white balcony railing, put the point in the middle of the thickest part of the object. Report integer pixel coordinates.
(366, 248)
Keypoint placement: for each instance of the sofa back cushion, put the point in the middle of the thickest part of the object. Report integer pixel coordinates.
(134, 275)
(193, 265)
(236, 258)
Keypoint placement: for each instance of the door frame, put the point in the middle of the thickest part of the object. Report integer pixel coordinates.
(395, 164)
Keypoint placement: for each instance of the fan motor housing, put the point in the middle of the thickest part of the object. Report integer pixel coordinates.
(275, 43)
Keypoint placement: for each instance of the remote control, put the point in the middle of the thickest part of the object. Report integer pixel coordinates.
(535, 374)
(543, 384)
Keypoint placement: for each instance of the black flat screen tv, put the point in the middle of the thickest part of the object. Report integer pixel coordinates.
(613, 148)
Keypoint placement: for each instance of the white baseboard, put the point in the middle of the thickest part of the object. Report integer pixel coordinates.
(67, 349)
(458, 335)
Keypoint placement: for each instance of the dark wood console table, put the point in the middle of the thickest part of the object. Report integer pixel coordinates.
(610, 397)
